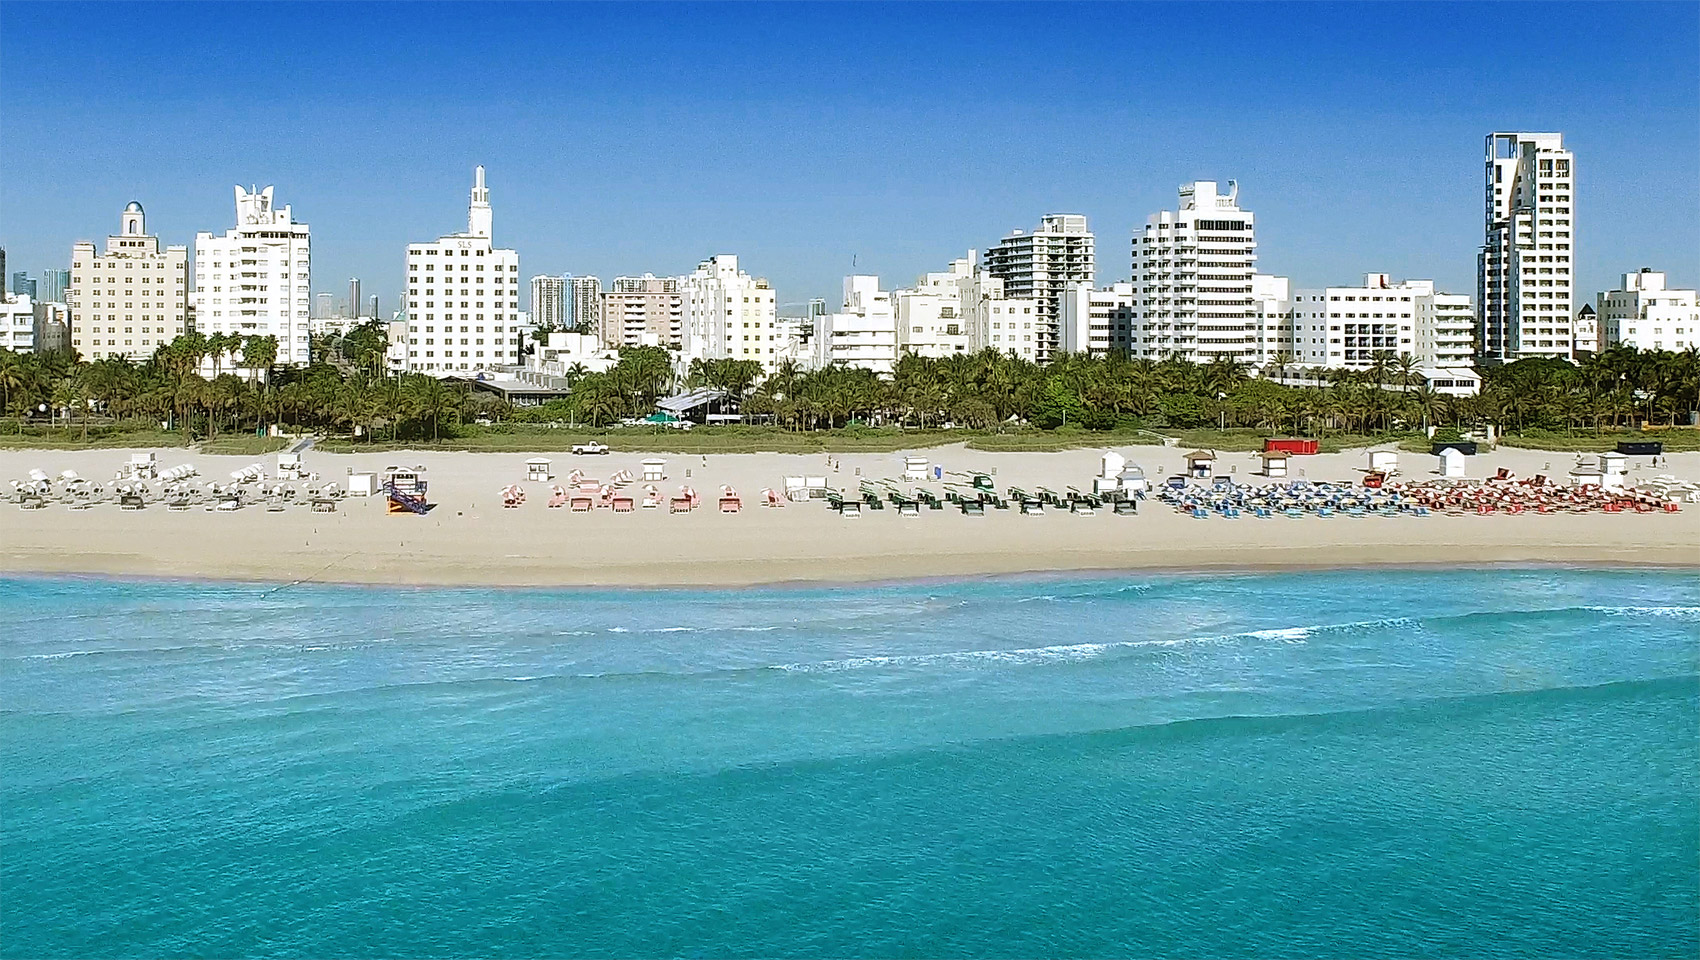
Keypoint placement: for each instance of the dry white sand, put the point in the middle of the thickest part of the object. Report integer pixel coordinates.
(470, 539)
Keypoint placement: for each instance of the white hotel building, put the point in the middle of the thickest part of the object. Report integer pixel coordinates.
(130, 300)
(1192, 271)
(462, 303)
(863, 333)
(952, 312)
(728, 315)
(1524, 274)
(549, 302)
(1645, 314)
(255, 281)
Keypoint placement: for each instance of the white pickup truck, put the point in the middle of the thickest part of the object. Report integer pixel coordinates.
(589, 448)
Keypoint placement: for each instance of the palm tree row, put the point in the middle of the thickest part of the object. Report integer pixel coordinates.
(985, 390)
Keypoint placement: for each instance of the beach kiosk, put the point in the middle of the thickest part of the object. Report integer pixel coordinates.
(1384, 461)
(915, 468)
(1133, 479)
(142, 466)
(1275, 464)
(537, 468)
(1200, 464)
(1451, 462)
(1614, 470)
(362, 484)
(654, 470)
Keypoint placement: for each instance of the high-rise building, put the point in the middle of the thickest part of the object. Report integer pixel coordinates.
(1040, 266)
(324, 306)
(53, 285)
(254, 281)
(355, 302)
(863, 333)
(462, 303)
(22, 285)
(645, 311)
(372, 306)
(1524, 274)
(584, 303)
(728, 314)
(1192, 271)
(1645, 314)
(130, 300)
(549, 302)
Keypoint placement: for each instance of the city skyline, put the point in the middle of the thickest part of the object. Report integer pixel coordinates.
(925, 163)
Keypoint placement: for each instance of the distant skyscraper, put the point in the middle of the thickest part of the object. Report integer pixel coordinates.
(372, 306)
(549, 302)
(22, 285)
(354, 302)
(324, 306)
(53, 285)
(1524, 274)
(1041, 265)
(584, 303)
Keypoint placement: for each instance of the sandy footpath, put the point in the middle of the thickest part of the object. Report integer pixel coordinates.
(470, 539)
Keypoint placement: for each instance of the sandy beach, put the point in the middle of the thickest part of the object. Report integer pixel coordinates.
(469, 538)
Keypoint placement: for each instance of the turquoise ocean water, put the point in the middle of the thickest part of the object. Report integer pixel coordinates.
(1482, 763)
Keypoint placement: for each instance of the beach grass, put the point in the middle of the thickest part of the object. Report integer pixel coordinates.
(1675, 439)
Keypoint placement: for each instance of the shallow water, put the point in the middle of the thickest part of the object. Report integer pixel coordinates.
(1473, 763)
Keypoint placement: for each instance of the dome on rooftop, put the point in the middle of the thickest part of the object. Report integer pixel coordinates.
(134, 207)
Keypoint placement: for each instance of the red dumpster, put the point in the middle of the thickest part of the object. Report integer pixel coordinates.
(1295, 446)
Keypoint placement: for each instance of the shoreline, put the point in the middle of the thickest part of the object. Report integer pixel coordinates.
(1673, 560)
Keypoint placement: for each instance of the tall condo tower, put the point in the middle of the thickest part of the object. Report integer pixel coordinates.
(1041, 266)
(1524, 274)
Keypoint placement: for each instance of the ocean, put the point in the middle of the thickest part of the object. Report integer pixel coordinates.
(1472, 763)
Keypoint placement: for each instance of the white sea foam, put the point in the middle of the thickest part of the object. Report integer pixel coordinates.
(1679, 613)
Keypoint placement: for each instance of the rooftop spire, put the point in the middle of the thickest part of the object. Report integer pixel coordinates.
(478, 213)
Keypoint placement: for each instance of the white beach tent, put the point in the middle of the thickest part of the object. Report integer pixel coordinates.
(1384, 461)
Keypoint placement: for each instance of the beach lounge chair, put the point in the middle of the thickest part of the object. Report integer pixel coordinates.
(622, 503)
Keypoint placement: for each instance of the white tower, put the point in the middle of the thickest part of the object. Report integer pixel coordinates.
(478, 215)
(135, 221)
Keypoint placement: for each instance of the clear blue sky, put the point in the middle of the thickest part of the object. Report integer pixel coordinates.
(621, 139)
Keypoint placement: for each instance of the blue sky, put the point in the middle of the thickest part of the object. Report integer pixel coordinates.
(621, 138)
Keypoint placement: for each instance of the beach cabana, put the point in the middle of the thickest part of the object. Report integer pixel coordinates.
(915, 468)
(654, 470)
(1451, 462)
(1200, 464)
(1133, 479)
(1274, 463)
(1384, 461)
(537, 469)
(289, 466)
(142, 466)
(362, 484)
(1110, 468)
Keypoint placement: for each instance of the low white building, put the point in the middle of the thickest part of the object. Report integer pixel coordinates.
(951, 312)
(17, 324)
(1586, 330)
(560, 352)
(1645, 314)
(1098, 322)
(1348, 327)
(863, 333)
